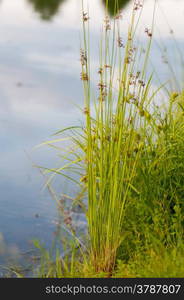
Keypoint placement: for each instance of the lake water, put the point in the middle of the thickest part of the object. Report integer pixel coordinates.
(39, 87)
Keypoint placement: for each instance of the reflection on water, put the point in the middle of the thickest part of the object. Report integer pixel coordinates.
(47, 9)
(114, 6)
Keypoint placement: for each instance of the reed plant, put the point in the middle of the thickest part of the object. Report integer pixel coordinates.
(129, 151)
(113, 140)
(113, 137)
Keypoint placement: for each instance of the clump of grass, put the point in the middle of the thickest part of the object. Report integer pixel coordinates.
(129, 155)
(159, 262)
(115, 134)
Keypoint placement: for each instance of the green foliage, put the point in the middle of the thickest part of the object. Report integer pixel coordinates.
(155, 263)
